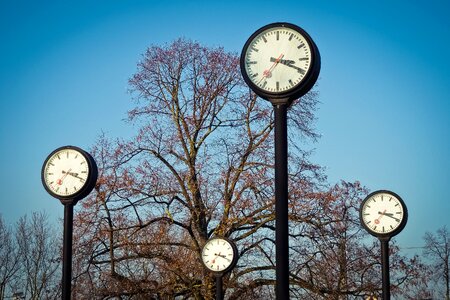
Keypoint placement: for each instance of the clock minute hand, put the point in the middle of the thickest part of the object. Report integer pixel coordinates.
(223, 256)
(390, 215)
(74, 175)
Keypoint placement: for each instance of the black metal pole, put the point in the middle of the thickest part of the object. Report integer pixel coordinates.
(219, 288)
(281, 203)
(67, 251)
(385, 269)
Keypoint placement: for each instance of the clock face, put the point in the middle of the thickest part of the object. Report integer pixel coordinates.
(67, 172)
(383, 213)
(219, 255)
(278, 58)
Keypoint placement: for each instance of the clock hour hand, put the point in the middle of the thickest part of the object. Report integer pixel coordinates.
(289, 63)
(283, 61)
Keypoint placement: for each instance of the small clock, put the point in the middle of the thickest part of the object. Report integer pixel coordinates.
(280, 62)
(383, 214)
(219, 255)
(69, 173)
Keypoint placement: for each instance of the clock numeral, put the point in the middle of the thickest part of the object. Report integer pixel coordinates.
(278, 35)
(264, 39)
(301, 46)
(254, 49)
(278, 85)
(303, 58)
(290, 82)
(252, 62)
(291, 36)
(254, 75)
(301, 71)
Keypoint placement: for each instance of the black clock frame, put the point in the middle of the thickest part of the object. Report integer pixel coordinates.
(384, 236)
(298, 90)
(90, 181)
(233, 262)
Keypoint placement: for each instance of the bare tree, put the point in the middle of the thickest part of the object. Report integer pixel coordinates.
(437, 248)
(9, 258)
(40, 256)
(201, 164)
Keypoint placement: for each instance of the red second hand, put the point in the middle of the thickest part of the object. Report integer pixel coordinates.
(267, 73)
(60, 181)
(377, 220)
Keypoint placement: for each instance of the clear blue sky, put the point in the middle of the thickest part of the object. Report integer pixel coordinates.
(384, 86)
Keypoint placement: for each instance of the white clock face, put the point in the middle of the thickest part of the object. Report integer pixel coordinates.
(218, 254)
(277, 59)
(66, 172)
(382, 213)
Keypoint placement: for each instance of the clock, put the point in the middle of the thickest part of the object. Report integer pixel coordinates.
(69, 173)
(219, 255)
(280, 62)
(383, 214)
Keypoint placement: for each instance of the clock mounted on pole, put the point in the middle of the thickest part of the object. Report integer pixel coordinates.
(280, 63)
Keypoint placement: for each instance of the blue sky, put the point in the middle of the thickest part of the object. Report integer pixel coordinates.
(384, 87)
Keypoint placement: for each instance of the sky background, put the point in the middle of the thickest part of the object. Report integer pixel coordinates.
(384, 87)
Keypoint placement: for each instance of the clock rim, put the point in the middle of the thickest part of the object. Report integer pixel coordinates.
(233, 261)
(90, 180)
(303, 87)
(394, 232)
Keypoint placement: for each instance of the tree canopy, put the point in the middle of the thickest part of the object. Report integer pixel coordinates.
(201, 165)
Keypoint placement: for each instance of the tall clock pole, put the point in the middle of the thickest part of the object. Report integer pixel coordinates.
(68, 174)
(280, 63)
(67, 250)
(383, 214)
(385, 280)
(281, 203)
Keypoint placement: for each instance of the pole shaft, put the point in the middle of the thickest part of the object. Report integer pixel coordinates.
(67, 251)
(281, 203)
(219, 288)
(385, 269)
